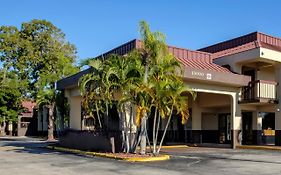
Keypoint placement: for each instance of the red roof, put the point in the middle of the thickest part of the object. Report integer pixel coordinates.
(193, 59)
(28, 105)
(196, 59)
(243, 43)
(190, 59)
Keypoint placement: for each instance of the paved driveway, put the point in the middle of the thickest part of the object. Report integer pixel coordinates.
(24, 156)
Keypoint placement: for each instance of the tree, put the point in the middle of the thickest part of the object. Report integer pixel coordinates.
(163, 80)
(146, 78)
(39, 53)
(111, 82)
(10, 98)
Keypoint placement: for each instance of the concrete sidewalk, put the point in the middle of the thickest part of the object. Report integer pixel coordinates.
(260, 147)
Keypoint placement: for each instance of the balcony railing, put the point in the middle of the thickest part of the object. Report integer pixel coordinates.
(259, 91)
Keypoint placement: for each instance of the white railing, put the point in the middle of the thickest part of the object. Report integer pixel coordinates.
(259, 89)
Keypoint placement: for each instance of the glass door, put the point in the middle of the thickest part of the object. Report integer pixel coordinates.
(224, 128)
(247, 130)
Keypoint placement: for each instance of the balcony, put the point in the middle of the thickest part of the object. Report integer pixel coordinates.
(259, 91)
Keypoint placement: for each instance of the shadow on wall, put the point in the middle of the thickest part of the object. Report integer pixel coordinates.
(90, 140)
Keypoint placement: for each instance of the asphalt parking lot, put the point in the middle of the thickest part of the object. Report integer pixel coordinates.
(26, 156)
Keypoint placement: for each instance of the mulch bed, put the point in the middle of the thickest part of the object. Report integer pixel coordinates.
(130, 155)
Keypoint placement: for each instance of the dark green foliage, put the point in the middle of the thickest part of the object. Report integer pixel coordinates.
(10, 96)
(10, 104)
(38, 55)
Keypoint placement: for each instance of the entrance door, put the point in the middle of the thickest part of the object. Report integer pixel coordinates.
(224, 128)
(247, 130)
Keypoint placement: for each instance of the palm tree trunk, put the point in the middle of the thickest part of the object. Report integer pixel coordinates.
(143, 135)
(126, 130)
(107, 115)
(131, 139)
(58, 122)
(154, 131)
(148, 142)
(158, 125)
(166, 127)
(98, 114)
(136, 141)
(3, 127)
(143, 122)
(51, 122)
(121, 118)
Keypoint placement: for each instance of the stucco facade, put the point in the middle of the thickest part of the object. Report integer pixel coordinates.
(237, 92)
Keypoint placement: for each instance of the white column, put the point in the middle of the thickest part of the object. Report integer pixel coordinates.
(75, 113)
(196, 116)
(196, 122)
(278, 107)
(236, 121)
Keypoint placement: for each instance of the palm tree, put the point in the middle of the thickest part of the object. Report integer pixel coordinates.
(112, 81)
(124, 72)
(147, 78)
(93, 90)
(162, 73)
(153, 48)
(176, 101)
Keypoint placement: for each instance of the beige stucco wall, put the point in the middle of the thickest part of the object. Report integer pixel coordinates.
(235, 60)
(75, 112)
(74, 99)
(213, 100)
(196, 116)
(270, 55)
(228, 94)
(209, 121)
(266, 73)
(236, 114)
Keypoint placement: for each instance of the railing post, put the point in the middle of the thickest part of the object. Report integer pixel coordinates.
(259, 89)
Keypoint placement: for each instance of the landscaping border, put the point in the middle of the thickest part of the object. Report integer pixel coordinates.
(106, 155)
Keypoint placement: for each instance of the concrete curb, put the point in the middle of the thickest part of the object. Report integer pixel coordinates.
(175, 146)
(105, 155)
(270, 148)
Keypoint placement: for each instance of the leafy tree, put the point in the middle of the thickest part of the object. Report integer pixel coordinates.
(39, 53)
(10, 98)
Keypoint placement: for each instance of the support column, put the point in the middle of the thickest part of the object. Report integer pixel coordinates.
(236, 121)
(257, 127)
(196, 123)
(75, 113)
(278, 107)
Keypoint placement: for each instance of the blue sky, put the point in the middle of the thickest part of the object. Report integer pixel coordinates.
(96, 26)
